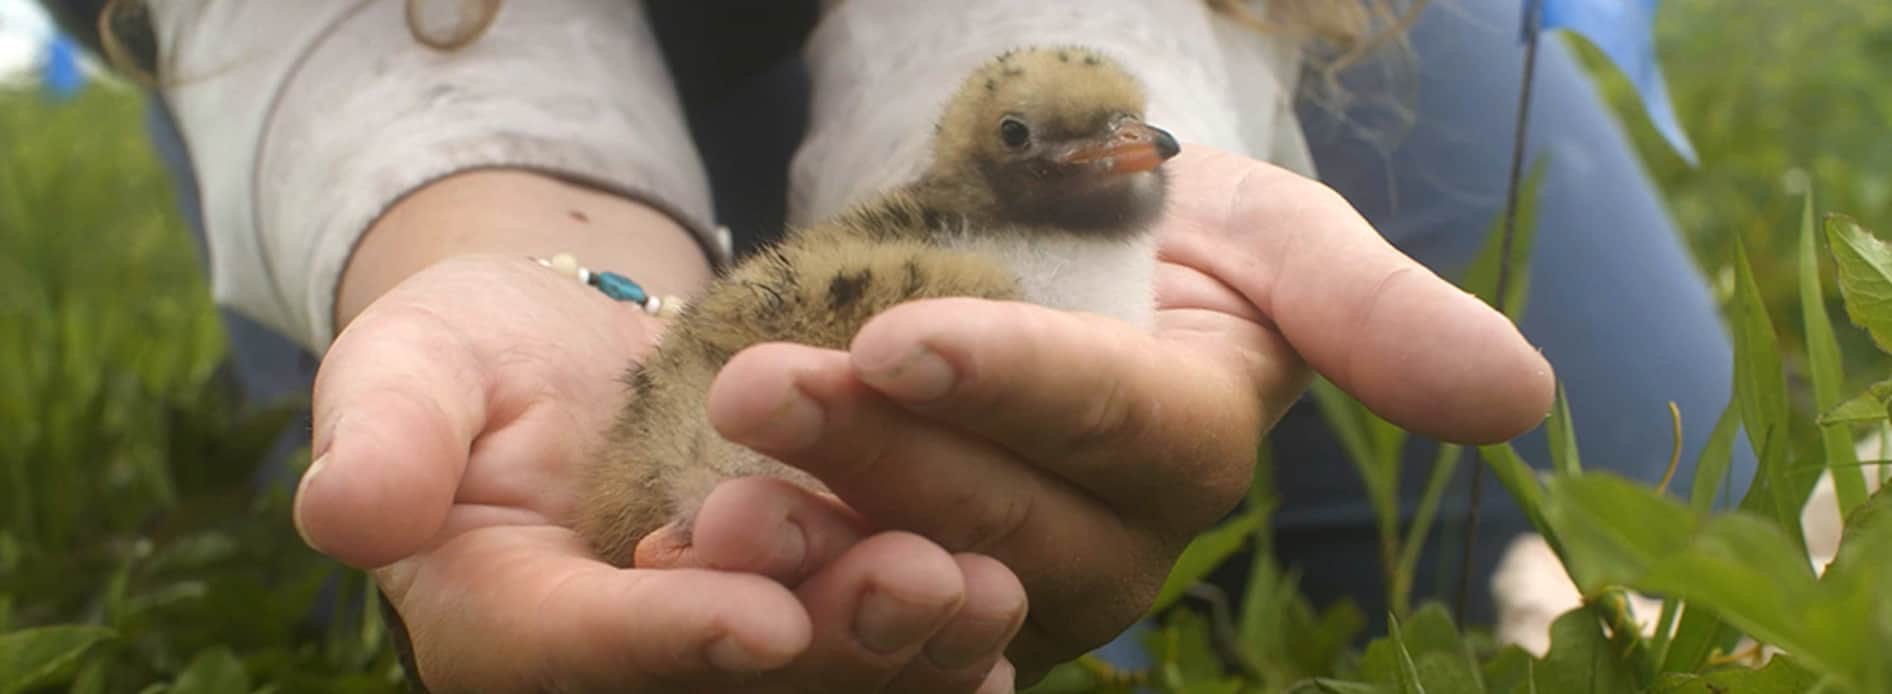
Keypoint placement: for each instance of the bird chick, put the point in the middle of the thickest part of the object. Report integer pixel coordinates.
(1044, 186)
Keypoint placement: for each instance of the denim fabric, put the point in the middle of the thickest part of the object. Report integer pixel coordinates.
(1615, 301)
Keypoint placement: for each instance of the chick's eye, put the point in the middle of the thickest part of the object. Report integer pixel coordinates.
(1014, 133)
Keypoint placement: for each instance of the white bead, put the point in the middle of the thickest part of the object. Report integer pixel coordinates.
(450, 24)
(565, 265)
(670, 307)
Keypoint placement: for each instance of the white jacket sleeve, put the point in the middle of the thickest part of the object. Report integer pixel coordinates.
(306, 120)
(882, 70)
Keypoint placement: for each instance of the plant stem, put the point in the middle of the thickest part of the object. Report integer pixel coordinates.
(1531, 21)
(1428, 511)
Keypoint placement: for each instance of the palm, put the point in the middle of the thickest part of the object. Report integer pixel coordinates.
(489, 404)
(465, 396)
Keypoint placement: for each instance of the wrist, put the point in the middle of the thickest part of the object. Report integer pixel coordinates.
(518, 213)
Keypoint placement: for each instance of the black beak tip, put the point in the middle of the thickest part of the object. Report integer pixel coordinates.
(1166, 145)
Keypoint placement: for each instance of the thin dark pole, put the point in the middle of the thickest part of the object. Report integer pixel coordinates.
(1531, 21)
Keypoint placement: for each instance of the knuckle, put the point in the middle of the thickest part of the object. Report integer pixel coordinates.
(1116, 414)
(1004, 515)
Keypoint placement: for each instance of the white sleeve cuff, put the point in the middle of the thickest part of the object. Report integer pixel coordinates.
(882, 70)
(307, 120)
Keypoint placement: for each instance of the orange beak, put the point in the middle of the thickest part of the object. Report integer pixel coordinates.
(1131, 147)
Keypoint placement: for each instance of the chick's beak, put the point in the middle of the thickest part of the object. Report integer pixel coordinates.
(1131, 146)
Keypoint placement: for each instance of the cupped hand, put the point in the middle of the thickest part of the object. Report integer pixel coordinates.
(1084, 453)
(449, 417)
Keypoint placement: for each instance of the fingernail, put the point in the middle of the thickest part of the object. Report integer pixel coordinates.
(791, 547)
(729, 656)
(885, 625)
(315, 468)
(967, 642)
(1002, 680)
(920, 374)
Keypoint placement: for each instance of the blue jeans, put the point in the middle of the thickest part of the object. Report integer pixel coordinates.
(1615, 301)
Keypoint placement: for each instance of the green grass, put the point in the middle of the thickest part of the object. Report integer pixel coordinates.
(129, 512)
(1776, 97)
(130, 502)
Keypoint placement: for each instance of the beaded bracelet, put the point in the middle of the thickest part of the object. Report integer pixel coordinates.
(614, 285)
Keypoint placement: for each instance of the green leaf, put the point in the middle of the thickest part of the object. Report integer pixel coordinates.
(1481, 277)
(1782, 675)
(1444, 464)
(1716, 457)
(1665, 629)
(1509, 672)
(1408, 672)
(1873, 405)
(1761, 389)
(215, 670)
(1374, 446)
(1203, 554)
(182, 591)
(91, 677)
(1740, 566)
(1332, 686)
(193, 553)
(1823, 360)
(1520, 481)
(29, 657)
(1697, 636)
(1563, 437)
(1280, 634)
(1854, 590)
(1865, 276)
(1621, 533)
(1068, 678)
(1183, 650)
(1224, 686)
(1581, 658)
(1424, 651)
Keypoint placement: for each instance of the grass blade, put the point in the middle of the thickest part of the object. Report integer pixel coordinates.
(1823, 361)
(1563, 437)
(1443, 466)
(1205, 553)
(1778, 491)
(1716, 457)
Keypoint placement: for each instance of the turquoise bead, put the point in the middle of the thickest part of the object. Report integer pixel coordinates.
(619, 287)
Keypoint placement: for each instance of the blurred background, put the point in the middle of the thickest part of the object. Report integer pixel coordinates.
(128, 471)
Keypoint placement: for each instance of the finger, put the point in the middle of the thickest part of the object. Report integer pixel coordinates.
(966, 653)
(802, 406)
(397, 403)
(892, 466)
(526, 608)
(1157, 428)
(1413, 347)
(761, 525)
(873, 609)
(1002, 680)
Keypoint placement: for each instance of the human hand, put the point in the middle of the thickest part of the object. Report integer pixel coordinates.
(449, 416)
(1084, 454)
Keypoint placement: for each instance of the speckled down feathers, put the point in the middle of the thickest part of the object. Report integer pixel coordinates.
(822, 283)
(818, 288)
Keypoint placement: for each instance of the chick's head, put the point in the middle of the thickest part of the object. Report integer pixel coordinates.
(1053, 137)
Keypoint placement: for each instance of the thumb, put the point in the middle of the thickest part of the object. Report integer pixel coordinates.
(397, 403)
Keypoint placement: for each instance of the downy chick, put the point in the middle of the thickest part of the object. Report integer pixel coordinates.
(1044, 186)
